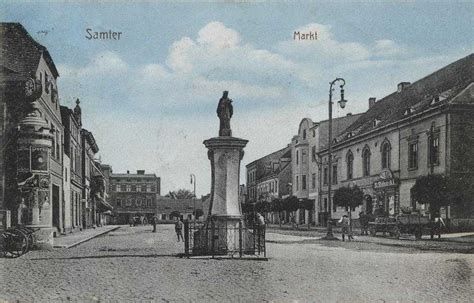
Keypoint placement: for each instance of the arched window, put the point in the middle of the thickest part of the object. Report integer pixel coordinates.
(350, 165)
(366, 161)
(386, 154)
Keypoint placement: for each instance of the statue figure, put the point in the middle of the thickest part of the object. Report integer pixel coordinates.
(224, 112)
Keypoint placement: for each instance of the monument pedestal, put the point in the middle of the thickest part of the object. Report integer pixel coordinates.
(225, 214)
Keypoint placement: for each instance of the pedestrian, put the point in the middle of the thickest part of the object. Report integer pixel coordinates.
(293, 222)
(130, 221)
(364, 223)
(345, 223)
(154, 221)
(178, 227)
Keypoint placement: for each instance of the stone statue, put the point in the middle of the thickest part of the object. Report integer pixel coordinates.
(224, 112)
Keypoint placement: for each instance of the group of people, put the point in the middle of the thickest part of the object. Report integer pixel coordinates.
(345, 223)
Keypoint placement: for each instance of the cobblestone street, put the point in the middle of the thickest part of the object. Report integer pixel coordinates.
(134, 264)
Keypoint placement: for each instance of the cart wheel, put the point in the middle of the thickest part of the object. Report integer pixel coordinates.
(15, 244)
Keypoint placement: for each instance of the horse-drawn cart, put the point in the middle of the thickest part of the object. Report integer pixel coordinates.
(15, 242)
(402, 224)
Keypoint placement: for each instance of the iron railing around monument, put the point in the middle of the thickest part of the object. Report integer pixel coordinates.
(211, 239)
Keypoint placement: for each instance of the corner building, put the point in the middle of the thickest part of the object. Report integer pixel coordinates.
(422, 128)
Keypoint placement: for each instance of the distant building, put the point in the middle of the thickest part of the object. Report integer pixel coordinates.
(167, 209)
(134, 194)
(269, 177)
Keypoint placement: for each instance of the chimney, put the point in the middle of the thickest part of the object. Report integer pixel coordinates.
(372, 101)
(140, 172)
(402, 85)
(128, 171)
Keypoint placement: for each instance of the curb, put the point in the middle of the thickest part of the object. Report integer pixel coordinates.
(86, 239)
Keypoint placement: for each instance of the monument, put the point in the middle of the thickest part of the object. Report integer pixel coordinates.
(224, 228)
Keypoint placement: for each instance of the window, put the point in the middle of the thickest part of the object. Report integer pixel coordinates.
(304, 134)
(148, 202)
(433, 152)
(313, 154)
(366, 161)
(134, 188)
(386, 155)
(303, 182)
(313, 181)
(314, 133)
(123, 187)
(413, 155)
(153, 188)
(129, 202)
(304, 157)
(325, 204)
(325, 176)
(297, 183)
(119, 203)
(297, 157)
(334, 174)
(129, 187)
(350, 165)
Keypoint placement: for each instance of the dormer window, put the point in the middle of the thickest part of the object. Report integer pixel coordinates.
(376, 122)
(408, 111)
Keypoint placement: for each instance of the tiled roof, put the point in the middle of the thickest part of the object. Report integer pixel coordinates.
(273, 156)
(433, 90)
(19, 52)
(339, 125)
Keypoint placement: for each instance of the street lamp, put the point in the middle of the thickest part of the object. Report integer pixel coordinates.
(342, 104)
(193, 178)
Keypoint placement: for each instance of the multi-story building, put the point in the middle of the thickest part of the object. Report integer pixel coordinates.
(422, 128)
(134, 194)
(89, 149)
(72, 163)
(307, 172)
(269, 177)
(32, 133)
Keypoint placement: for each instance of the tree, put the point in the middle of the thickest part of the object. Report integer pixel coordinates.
(349, 197)
(432, 190)
(180, 194)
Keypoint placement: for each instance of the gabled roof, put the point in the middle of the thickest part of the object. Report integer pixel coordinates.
(20, 53)
(273, 156)
(433, 90)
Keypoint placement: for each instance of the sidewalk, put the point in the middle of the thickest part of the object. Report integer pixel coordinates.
(77, 238)
(318, 231)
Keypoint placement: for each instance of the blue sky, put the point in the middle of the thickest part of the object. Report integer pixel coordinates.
(150, 97)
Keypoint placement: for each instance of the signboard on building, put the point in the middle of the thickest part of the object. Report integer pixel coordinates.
(385, 179)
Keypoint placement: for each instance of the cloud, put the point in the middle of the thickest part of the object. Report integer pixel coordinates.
(106, 62)
(387, 47)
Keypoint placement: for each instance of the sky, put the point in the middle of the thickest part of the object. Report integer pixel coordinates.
(150, 98)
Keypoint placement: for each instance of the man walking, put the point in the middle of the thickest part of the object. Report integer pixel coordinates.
(178, 227)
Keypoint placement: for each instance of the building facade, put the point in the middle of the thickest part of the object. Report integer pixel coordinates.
(269, 178)
(40, 172)
(308, 172)
(422, 128)
(134, 194)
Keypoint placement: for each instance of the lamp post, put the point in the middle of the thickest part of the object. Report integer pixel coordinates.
(342, 103)
(193, 181)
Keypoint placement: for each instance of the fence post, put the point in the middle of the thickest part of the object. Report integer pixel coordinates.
(186, 238)
(240, 238)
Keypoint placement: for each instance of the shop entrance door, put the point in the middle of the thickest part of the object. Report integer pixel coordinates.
(56, 207)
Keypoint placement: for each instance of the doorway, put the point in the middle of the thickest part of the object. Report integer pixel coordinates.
(56, 208)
